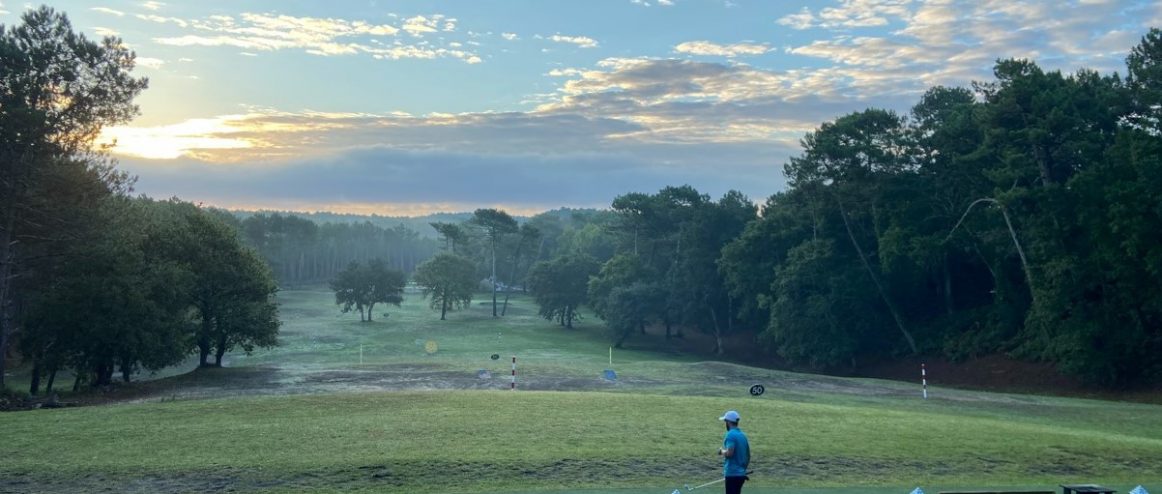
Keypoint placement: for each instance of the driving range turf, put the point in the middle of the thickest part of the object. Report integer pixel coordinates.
(308, 417)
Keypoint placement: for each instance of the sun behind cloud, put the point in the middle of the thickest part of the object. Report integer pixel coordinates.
(177, 140)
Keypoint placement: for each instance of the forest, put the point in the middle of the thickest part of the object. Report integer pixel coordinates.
(1021, 216)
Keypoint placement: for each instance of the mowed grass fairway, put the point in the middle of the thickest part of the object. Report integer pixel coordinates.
(307, 417)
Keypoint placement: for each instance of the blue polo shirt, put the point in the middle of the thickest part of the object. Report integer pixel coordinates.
(735, 466)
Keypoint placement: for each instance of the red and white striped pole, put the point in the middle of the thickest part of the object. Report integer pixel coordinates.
(514, 372)
(924, 379)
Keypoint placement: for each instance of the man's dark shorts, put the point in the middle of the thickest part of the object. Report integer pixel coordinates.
(734, 484)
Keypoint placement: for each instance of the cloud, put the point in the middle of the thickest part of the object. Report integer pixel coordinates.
(418, 25)
(849, 14)
(319, 36)
(361, 179)
(666, 3)
(188, 138)
(106, 10)
(953, 42)
(702, 103)
(621, 124)
(510, 36)
(714, 49)
(581, 41)
(313, 159)
(150, 63)
(152, 5)
(564, 72)
(104, 31)
(864, 13)
(802, 20)
(162, 19)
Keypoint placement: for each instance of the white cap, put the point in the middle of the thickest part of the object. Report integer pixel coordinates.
(731, 416)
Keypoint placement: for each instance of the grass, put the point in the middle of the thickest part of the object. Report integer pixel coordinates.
(653, 431)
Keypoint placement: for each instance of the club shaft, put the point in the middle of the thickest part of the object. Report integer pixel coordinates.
(709, 483)
(712, 482)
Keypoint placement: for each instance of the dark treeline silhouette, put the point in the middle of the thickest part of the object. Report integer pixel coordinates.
(301, 251)
(93, 280)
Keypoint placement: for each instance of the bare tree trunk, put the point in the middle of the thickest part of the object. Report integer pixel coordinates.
(51, 381)
(204, 341)
(34, 387)
(718, 349)
(493, 280)
(948, 300)
(1016, 243)
(7, 258)
(220, 350)
(444, 304)
(875, 279)
(515, 263)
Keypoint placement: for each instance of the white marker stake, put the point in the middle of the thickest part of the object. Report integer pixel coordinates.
(514, 372)
(360, 354)
(611, 356)
(924, 379)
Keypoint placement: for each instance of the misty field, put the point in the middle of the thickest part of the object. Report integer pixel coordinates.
(307, 417)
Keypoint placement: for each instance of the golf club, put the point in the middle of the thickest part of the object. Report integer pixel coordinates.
(688, 488)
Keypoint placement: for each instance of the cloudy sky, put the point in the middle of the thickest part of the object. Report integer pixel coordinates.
(408, 107)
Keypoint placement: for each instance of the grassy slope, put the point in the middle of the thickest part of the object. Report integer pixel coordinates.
(656, 436)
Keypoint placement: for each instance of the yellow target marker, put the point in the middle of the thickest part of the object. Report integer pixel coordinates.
(431, 347)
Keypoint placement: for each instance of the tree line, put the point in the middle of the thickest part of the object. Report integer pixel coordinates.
(1021, 216)
(302, 251)
(92, 279)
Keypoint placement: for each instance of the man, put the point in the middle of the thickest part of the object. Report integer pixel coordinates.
(735, 452)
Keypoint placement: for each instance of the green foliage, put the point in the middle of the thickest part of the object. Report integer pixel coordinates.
(1013, 220)
(452, 233)
(448, 282)
(57, 91)
(232, 286)
(493, 225)
(561, 287)
(630, 308)
(362, 286)
(140, 287)
(112, 304)
(620, 271)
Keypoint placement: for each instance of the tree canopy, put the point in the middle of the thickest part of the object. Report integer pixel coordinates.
(448, 282)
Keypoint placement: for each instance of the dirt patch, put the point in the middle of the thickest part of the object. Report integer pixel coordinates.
(795, 382)
(996, 373)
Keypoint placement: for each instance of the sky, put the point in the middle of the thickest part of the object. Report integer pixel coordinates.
(409, 107)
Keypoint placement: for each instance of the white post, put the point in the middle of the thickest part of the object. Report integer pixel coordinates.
(514, 372)
(611, 356)
(924, 379)
(360, 354)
